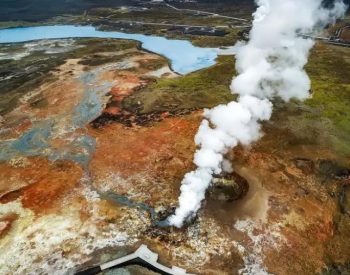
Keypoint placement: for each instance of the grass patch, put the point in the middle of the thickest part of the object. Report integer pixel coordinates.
(329, 71)
(202, 89)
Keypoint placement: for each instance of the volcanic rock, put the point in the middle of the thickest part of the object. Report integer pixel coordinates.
(305, 165)
(229, 188)
(344, 177)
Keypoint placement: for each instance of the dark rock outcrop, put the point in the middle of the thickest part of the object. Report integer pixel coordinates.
(229, 188)
(305, 165)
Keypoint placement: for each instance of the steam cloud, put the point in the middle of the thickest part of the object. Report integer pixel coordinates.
(270, 64)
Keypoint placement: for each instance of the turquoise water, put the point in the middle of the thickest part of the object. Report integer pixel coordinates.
(184, 57)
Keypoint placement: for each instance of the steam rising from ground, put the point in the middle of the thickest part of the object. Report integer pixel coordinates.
(270, 64)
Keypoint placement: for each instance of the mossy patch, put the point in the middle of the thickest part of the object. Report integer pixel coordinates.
(329, 71)
(153, 64)
(99, 60)
(202, 89)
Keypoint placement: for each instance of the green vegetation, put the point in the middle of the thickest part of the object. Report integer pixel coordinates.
(15, 24)
(213, 41)
(154, 64)
(329, 70)
(98, 45)
(323, 120)
(202, 89)
(40, 103)
(98, 60)
(58, 20)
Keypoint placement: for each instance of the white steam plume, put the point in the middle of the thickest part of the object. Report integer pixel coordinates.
(270, 64)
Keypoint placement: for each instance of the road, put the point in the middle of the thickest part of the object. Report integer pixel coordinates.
(343, 44)
(209, 13)
(315, 37)
(327, 40)
(340, 31)
(179, 25)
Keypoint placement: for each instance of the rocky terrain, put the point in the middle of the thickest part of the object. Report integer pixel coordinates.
(95, 141)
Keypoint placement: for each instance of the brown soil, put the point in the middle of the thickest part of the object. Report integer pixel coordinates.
(41, 185)
(346, 35)
(138, 156)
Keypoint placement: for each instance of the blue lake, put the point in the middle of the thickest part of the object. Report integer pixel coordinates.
(184, 57)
